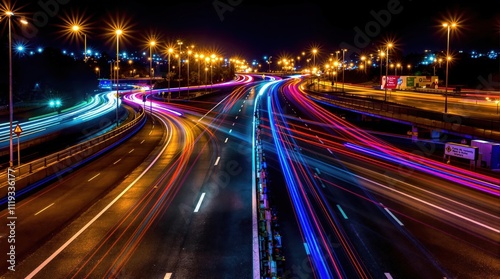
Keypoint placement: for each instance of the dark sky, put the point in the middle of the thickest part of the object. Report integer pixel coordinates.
(252, 29)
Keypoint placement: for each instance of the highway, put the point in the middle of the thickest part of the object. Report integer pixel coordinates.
(177, 200)
(368, 209)
(163, 203)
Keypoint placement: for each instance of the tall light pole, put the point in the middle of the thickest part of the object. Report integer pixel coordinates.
(386, 70)
(448, 26)
(343, 67)
(78, 29)
(211, 70)
(10, 14)
(179, 42)
(187, 61)
(336, 63)
(313, 70)
(170, 50)
(151, 45)
(118, 33)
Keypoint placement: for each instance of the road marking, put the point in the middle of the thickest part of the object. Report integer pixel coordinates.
(342, 211)
(92, 178)
(199, 202)
(226, 140)
(392, 215)
(388, 275)
(236, 117)
(230, 130)
(44, 208)
(217, 161)
(168, 275)
(143, 141)
(117, 161)
(131, 151)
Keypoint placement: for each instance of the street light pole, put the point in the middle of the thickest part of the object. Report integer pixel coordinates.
(11, 105)
(180, 65)
(10, 14)
(386, 70)
(151, 45)
(187, 61)
(448, 26)
(170, 50)
(118, 33)
(343, 60)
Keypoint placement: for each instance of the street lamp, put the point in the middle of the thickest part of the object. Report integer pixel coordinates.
(179, 42)
(343, 67)
(77, 29)
(187, 61)
(386, 70)
(211, 70)
(448, 27)
(10, 14)
(151, 45)
(170, 50)
(118, 33)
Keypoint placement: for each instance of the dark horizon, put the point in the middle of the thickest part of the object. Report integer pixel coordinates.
(254, 29)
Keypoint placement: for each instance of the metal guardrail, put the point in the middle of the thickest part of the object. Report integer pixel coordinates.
(457, 125)
(42, 168)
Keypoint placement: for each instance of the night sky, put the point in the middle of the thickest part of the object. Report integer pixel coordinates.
(252, 29)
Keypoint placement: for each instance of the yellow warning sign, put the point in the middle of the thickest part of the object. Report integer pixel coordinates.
(18, 130)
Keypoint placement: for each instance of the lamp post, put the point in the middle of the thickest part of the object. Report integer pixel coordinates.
(179, 42)
(211, 70)
(151, 45)
(343, 67)
(170, 50)
(10, 14)
(198, 58)
(187, 61)
(77, 29)
(448, 27)
(386, 70)
(118, 33)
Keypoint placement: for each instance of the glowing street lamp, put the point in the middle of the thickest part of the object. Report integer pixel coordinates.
(151, 45)
(187, 61)
(448, 27)
(170, 50)
(389, 45)
(78, 29)
(118, 33)
(343, 67)
(179, 42)
(9, 15)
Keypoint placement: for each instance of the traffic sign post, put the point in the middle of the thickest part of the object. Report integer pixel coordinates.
(18, 132)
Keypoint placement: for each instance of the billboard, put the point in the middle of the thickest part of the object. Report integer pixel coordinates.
(404, 82)
(392, 82)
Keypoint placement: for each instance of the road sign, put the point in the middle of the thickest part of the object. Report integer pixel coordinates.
(18, 130)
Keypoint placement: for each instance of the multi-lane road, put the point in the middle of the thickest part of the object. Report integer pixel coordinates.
(177, 200)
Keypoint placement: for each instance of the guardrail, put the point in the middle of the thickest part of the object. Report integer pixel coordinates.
(32, 174)
(457, 125)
